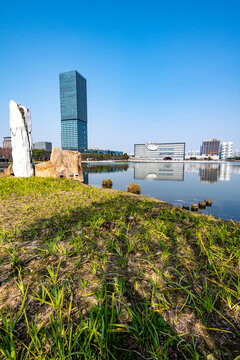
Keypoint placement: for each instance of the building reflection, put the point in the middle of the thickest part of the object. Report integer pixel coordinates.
(235, 169)
(225, 172)
(211, 173)
(85, 177)
(101, 168)
(104, 168)
(208, 173)
(159, 171)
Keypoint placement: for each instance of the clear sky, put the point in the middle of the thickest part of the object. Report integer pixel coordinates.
(167, 71)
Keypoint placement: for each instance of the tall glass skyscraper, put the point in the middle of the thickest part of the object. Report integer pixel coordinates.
(73, 99)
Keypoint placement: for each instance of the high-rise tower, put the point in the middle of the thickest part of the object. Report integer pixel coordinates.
(73, 99)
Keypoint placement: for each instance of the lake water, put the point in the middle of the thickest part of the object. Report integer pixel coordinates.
(177, 183)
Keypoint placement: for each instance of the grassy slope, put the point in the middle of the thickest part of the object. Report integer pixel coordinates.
(99, 274)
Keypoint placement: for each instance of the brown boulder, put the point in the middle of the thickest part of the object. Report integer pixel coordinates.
(62, 162)
(208, 202)
(194, 207)
(202, 204)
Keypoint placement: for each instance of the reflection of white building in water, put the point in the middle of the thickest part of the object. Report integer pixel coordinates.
(159, 171)
(160, 151)
(235, 169)
(208, 173)
(191, 167)
(211, 173)
(225, 172)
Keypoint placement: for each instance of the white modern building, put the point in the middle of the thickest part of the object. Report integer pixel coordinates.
(160, 151)
(226, 150)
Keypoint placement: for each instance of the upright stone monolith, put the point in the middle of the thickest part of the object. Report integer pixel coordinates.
(20, 125)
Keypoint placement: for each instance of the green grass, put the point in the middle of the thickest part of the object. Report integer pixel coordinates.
(155, 282)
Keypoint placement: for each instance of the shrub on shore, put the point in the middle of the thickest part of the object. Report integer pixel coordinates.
(134, 188)
(107, 183)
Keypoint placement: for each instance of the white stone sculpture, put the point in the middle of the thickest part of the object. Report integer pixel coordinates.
(20, 125)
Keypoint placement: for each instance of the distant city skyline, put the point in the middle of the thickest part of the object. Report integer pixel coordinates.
(162, 71)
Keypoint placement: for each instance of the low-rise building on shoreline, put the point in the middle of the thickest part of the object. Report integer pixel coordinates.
(160, 151)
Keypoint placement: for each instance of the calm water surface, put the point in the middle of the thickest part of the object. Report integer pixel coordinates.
(177, 183)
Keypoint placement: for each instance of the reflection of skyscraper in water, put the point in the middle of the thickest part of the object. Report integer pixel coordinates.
(209, 173)
(225, 172)
(85, 177)
(159, 171)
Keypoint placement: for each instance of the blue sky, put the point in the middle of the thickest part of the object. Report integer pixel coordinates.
(155, 70)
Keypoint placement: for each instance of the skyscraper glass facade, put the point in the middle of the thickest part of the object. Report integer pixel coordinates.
(73, 100)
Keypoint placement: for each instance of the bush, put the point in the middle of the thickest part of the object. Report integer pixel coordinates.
(134, 188)
(107, 183)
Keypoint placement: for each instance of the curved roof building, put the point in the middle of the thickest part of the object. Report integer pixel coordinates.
(160, 151)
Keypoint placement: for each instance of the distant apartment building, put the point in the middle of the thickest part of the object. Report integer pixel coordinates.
(7, 142)
(226, 150)
(43, 145)
(73, 100)
(210, 147)
(160, 151)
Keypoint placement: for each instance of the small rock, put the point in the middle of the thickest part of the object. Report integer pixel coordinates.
(130, 219)
(202, 204)
(208, 202)
(194, 207)
(107, 225)
(84, 311)
(185, 207)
